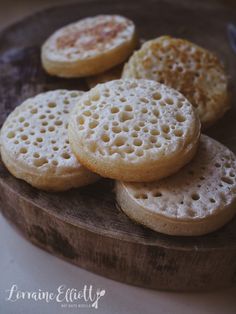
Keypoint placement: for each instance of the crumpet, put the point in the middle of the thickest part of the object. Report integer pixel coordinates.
(134, 130)
(89, 46)
(199, 199)
(186, 67)
(35, 146)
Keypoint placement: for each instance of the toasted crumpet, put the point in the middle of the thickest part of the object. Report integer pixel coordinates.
(186, 67)
(199, 199)
(134, 130)
(89, 46)
(35, 146)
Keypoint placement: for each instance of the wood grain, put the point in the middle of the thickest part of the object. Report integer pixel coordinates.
(84, 225)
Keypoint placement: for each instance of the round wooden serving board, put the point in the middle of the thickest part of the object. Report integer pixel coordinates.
(84, 225)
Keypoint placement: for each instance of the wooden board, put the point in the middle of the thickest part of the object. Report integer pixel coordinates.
(84, 225)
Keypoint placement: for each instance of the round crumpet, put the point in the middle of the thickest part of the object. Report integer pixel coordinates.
(35, 146)
(186, 67)
(89, 46)
(199, 199)
(134, 130)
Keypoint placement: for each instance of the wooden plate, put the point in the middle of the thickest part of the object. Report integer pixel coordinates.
(84, 226)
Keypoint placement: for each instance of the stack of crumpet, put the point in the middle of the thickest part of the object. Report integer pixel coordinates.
(142, 130)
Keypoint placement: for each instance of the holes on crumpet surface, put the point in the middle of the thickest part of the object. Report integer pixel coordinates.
(195, 196)
(178, 133)
(156, 96)
(129, 150)
(95, 96)
(114, 110)
(51, 129)
(142, 196)
(36, 155)
(23, 150)
(137, 128)
(105, 138)
(87, 102)
(80, 120)
(24, 137)
(156, 113)
(137, 142)
(116, 129)
(40, 162)
(74, 94)
(153, 121)
(165, 128)
(152, 139)
(11, 134)
(65, 155)
(34, 111)
(55, 163)
(227, 180)
(134, 134)
(125, 116)
(58, 122)
(180, 118)
(106, 127)
(144, 100)
(128, 108)
(157, 194)
(39, 139)
(119, 141)
(87, 113)
(155, 132)
(169, 101)
(139, 153)
(158, 145)
(52, 105)
(93, 124)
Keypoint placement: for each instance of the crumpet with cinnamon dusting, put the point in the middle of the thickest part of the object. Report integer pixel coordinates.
(89, 46)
